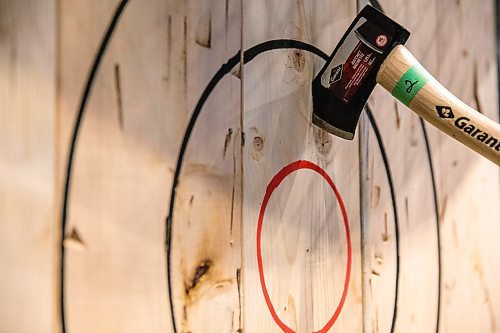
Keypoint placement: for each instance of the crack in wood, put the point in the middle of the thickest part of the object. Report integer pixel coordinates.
(233, 191)
(475, 89)
(398, 117)
(226, 142)
(376, 196)
(238, 284)
(118, 90)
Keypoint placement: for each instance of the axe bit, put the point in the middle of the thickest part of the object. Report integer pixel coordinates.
(371, 52)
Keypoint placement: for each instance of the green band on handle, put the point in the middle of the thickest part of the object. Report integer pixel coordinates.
(410, 84)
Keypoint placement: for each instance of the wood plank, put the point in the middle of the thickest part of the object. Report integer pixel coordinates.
(148, 84)
(116, 277)
(27, 120)
(410, 232)
(303, 238)
(160, 59)
(469, 184)
(207, 221)
(438, 39)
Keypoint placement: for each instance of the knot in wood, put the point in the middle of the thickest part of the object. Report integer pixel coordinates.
(258, 143)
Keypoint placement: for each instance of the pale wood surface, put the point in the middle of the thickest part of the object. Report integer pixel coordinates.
(160, 59)
(207, 224)
(116, 277)
(448, 39)
(28, 229)
(468, 185)
(303, 240)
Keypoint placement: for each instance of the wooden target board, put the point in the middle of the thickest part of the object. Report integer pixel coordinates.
(202, 199)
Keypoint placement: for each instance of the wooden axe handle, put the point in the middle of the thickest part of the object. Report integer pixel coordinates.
(403, 76)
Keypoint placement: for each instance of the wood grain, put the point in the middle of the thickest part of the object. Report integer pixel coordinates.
(257, 120)
(303, 243)
(28, 231)
(443, 42)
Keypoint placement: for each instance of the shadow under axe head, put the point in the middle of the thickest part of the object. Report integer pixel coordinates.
(341, 88)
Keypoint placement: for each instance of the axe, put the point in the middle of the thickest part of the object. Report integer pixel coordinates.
(371, 52)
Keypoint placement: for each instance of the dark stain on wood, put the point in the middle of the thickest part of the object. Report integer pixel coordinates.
(298, 60)
(322, 141)
(75, 235)
(226, 142)
(443, 208)
(385, 234)
(201, 271)
(258, 143)
(376, 196)
(74, 240)
(258, 146)
(238, 284)
(184, 314)
(204, 31)
(398, 118)
(226, 17)
(413, 136)
(118, 89)
(475, 89)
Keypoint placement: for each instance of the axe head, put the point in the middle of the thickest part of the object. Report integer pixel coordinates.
(342, 86)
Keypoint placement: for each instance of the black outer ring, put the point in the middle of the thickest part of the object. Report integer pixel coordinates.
(248, 56)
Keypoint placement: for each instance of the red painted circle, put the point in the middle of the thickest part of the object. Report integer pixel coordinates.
(275, 182)
(381, 40)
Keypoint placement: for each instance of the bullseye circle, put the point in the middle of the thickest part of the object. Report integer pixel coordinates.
(275, 182)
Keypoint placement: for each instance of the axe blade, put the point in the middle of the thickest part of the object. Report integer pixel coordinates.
(342, 86)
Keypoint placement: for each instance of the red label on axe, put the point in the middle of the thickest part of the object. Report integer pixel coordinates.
(354, 71)
(355, 60)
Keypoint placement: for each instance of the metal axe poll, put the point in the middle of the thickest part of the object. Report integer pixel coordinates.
(371, 52)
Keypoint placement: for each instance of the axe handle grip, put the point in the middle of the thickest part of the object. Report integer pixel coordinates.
(403, 76)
